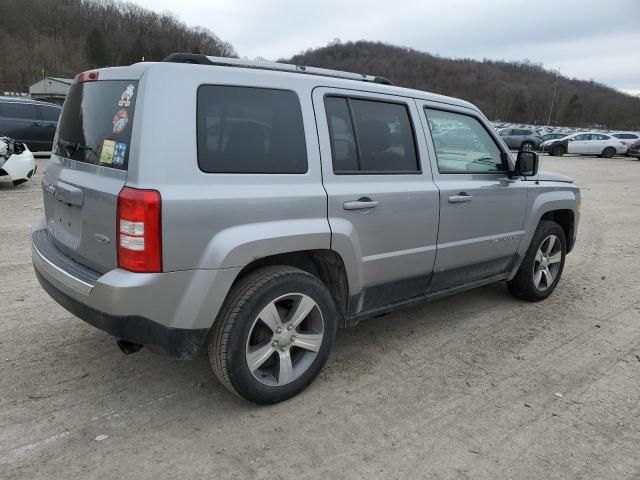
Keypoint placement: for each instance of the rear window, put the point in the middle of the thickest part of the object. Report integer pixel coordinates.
(18, 110)
(50, 114)
(250, 130)
(96, 120)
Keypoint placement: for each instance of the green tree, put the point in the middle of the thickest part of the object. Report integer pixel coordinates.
(96, 49)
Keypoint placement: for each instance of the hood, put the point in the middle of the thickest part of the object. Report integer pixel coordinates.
(553, 177)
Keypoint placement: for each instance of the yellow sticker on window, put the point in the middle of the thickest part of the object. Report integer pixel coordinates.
(106, 154)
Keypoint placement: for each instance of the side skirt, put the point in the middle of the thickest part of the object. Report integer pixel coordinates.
(354, 319)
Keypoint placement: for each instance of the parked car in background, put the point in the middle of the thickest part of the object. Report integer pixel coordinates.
(520, 138)
(553, 136)
(585, 143)
(16, 161)
(628, 138)
(634, 150)
(29, 121)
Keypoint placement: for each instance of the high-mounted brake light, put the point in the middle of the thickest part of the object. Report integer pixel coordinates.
(139, 231)
(88, 76)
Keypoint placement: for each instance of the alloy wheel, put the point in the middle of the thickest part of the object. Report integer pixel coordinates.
(284, 339)
(547, 262)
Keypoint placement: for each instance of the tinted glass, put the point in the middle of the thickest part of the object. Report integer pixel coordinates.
(96, 120)
(50, 114)
(343, 145)
(18, 110)
(625, 136)
(465, 146)
(385, 137)
(250, 130)
(596, 136)
(582, 137)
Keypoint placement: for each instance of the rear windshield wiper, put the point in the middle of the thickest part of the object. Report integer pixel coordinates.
(73, 147)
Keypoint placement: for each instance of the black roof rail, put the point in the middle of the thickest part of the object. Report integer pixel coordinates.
(200, 59)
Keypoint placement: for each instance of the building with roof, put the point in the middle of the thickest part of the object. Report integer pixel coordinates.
(51, 89)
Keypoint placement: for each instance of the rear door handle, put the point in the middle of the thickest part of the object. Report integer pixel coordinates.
(363, 203)
(462, 197)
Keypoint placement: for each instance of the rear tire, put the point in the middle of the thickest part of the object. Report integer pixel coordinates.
(543, 263)
(608, 152)
(527, 146)
(273, 334)
(558, 151)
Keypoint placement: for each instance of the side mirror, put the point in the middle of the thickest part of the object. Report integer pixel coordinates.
(527, 163)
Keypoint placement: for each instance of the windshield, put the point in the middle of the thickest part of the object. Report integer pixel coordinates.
(95, 125)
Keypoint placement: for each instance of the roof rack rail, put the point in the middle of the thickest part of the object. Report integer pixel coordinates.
(200, 59)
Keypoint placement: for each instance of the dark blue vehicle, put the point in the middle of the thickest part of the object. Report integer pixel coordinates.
(29, 121)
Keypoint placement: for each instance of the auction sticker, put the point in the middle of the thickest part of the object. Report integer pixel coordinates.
(106, 154)
(120, 120)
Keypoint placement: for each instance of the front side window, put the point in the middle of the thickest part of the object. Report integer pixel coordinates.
(583, 137)
(370, 136)
(250, 130)
(463, 144)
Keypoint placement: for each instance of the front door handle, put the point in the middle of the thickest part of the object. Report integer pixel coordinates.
(363, 203)
(462, 197)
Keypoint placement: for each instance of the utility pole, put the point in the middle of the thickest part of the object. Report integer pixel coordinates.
(553, 99)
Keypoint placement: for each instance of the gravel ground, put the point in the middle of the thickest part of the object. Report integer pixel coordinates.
(478, 385)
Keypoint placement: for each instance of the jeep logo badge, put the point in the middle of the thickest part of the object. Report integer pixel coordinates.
(101, 238)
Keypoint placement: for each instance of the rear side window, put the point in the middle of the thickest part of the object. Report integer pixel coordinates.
(18, 110)
(625, 136)
(370, 136)
(50, 114)
(96, 120)
(250, 130)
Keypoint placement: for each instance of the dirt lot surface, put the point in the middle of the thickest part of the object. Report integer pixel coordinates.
(478, 385)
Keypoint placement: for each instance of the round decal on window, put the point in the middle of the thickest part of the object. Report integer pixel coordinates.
(120, 120)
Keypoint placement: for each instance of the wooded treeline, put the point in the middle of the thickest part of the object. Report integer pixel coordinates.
(65, 37)
(514, 92)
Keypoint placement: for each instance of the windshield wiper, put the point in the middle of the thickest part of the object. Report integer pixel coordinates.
(73, 147)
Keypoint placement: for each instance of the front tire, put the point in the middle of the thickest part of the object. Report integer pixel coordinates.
(527, 146)
(543, 263)
(273, 334)
(558, 151)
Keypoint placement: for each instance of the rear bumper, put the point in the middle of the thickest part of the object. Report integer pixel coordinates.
(169, 312)
(177, 342)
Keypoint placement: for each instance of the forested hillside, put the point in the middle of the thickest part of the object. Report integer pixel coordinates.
(64, 37)
(516, 92)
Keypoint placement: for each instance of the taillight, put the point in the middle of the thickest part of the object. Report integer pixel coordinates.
(88, 76)
(139, 231)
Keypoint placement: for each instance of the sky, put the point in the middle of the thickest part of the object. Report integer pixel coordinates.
(586, 39)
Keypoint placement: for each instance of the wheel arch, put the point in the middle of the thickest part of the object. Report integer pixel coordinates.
(566, 219)
(326, 265)
(557, 205)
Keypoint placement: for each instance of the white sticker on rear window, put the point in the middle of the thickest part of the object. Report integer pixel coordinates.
(120, 120)
(125, 98)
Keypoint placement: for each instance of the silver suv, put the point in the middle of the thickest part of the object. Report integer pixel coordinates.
(249, 209)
